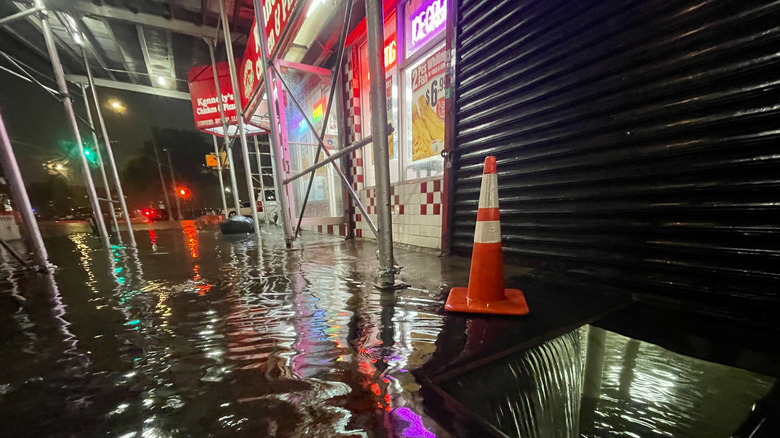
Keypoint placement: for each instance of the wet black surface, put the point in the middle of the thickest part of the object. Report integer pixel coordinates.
(199, 334)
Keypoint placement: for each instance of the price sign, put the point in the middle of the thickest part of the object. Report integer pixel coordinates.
(428, 106)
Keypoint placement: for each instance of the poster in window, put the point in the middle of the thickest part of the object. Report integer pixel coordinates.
(428, 106)
(391, 137)
(390, 118)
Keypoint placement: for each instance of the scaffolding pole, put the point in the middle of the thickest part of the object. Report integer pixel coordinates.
(100, 164)
(374, 29)
(228, 147)
(16, 184)
(239, 117)
(110, 153)
(219, 173)
(274, 139)
(65, 96)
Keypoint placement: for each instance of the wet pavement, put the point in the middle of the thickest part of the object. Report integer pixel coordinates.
(199, 334)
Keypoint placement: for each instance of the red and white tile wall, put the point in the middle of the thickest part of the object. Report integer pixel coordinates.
(416, 208)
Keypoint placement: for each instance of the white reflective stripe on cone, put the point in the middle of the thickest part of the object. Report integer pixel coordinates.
(488, 194)
(487, 232)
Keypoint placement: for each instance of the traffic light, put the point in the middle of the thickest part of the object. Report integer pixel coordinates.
(183, 192)
(90, 155)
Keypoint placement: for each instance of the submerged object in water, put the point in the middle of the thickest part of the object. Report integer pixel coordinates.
(237, 225)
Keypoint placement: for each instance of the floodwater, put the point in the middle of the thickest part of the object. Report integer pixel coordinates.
(198, 334)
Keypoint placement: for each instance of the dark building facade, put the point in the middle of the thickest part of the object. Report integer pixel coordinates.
(637, 145)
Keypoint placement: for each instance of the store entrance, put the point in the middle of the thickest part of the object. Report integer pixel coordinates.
(311, 87)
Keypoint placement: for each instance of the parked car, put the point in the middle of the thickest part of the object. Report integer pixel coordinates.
(155, 214)
(203, 212)
(246, 208)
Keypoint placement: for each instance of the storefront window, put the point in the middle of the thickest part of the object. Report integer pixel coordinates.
(416, 86)
(424, 124)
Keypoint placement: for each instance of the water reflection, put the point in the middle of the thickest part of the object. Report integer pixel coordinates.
(196, 334)
(592, 382)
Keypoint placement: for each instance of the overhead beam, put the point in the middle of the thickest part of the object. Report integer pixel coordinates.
(145, 51)
(94, 46)
(149, 20)
(122, 53)
(36, 22)
(18, 15)
(162, 92)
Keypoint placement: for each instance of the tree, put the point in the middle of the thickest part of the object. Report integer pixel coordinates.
(141, 179)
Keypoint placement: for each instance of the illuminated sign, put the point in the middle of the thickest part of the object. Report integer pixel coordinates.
(317, 114)
(391, 52)
(277, 16)
(428, 21)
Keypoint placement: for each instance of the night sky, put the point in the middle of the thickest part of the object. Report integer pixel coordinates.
(36, 122)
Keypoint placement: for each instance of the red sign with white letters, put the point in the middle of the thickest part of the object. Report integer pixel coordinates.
(203, 94)
(277, 15)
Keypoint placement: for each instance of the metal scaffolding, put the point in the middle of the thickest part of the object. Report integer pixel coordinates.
(102, 168)
(274, 138)
(374, 29)
(226, 138)
(239, 119)
(63, 91)
(110, 152)
(15, 182)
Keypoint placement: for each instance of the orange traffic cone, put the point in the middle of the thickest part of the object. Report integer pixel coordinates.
(486, 293)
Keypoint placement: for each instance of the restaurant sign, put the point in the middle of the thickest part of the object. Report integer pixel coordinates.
(277, 15)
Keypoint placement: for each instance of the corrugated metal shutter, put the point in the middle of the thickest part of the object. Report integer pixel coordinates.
(638, 142)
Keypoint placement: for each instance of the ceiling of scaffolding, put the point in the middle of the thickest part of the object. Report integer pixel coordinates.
(149, 46)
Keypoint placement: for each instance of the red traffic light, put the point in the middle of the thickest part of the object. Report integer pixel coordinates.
(183, 192)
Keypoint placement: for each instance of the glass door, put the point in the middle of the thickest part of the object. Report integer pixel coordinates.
(310, 86)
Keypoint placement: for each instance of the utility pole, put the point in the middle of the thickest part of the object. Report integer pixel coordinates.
(173, 182)
(162, 180)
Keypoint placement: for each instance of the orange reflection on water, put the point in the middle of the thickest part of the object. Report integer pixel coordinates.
(202, 288)
(192, 239)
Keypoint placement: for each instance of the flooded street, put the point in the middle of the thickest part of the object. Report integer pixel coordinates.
(199, 334)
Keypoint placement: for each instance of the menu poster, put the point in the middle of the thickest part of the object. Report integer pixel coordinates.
(391, 137)
(428, 106)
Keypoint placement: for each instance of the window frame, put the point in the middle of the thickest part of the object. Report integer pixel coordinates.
(399, 73)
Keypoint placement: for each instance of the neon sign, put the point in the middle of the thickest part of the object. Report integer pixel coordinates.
(317, 114)
(391, 52)
(427, 21)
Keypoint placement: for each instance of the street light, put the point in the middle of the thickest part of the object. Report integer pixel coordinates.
(117, 106)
